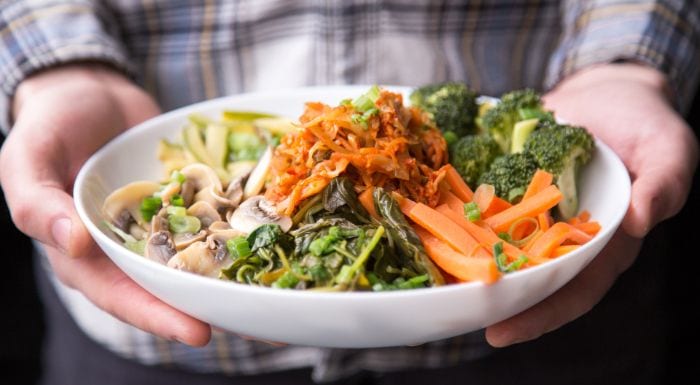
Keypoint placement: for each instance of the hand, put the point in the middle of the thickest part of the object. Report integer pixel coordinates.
(62, 116)
(624, 105)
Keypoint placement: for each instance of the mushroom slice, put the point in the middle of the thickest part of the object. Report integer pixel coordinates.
(199, 258)
(233, 194)
(256, 211)
(160, 247)
(205, 212)
(201, 176)
(219, 226)
(128, 199)
(183, 240)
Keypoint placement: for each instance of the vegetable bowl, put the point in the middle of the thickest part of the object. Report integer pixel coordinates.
(320, 318)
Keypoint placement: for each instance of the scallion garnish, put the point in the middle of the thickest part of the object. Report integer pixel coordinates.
(238, 247)
(150, 207)
(179, 224)
(502, 260)
(472, 212)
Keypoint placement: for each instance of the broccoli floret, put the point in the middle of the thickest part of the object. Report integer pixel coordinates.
(562, 149)
(472, 155)
(452, 106)
(514, 107)
(510, 174)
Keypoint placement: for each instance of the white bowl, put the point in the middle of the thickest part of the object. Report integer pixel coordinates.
(352, 319)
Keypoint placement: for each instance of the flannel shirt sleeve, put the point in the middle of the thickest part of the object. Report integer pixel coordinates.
(36, 34)
(663, 34)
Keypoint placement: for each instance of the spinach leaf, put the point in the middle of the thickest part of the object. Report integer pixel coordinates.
(264, 236)
(405, 240)
(340, 198)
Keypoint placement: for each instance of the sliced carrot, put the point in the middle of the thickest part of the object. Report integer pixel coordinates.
(447, 231)
(456, 264)
(545, 220)
(590, 228)
(523, 229)
(497, 205)
(458, 186)
(405, 204)
(561, 250)
(538, 203)
(541, 180)
(544, 246)
(486, 236)
(367, 201)
(451, 200)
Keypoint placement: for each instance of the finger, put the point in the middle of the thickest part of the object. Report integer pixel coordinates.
(36, 194)
(105, 285)
(571, 301)
(660, 185)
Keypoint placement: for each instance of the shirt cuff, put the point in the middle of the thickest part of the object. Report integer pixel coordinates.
(661, 34)
(41, 34)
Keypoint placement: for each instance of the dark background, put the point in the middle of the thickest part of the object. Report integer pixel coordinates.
(21, 323)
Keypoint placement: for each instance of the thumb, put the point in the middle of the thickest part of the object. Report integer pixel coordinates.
(34, 181)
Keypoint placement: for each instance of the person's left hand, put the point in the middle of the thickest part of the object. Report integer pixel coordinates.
(624, 105)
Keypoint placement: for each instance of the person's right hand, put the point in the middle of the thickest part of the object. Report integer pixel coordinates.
(63, 115)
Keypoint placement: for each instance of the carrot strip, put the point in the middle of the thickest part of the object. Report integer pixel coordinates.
(590, 228)
(442, 227)
(486, 237)
(497, 205)
(405, 204)
(539, 182)
(561, 250)
(457, 184)
(544, 220)
(458, 265)
(367, 201)
(544, 246)
(452, 201)
(538, 203)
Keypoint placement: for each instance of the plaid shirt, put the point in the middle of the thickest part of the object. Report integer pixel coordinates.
(182, 53)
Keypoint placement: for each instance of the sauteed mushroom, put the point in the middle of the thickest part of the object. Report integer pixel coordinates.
(256, 211)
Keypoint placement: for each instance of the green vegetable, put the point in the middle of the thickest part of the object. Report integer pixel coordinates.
(347, 273)
(179, 224)
(286, 281)
(177, 177)
(131, 243)
(514, 107)
(472, 212)
(150, 207)
(264, 236)
(176, 210)
(452, 106)
(472, 155)
(502, 260)
(366, 101)
(324, 245)
(561, 150)
(245, 146)
(177, 200)
(510, 174)
(521, 131)
(410, 259)
(215, 143)
(238, 247)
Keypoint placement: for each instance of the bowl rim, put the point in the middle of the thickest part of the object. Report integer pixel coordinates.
(98, 232)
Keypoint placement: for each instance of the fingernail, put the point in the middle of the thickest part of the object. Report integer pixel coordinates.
(60, 229)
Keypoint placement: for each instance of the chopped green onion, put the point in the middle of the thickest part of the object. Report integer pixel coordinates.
(324, 244)
(150, 207)
(346, 102)
(184, 224)
(472, 212)
(176, 210)
(366, 101)
(286, 281)
(238, 247)
(505, 236)
(177, 200)
(502, 260)
(178, 177)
